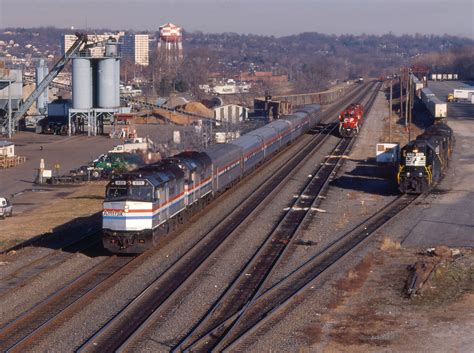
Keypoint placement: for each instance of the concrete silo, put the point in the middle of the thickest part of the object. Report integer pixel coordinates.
(106, 83)
(43, 99)
(81, 83)
(117, 83)
(108, 78)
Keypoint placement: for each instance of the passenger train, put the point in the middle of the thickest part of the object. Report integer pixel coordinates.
(424, 160)
(141, 206)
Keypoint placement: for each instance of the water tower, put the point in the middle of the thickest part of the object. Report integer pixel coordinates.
(170, 44)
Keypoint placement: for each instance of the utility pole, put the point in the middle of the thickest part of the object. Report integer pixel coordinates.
(412, 98)
(406, 102)
(10, 132)
(390, 113)
(401, 92)
(409, 105)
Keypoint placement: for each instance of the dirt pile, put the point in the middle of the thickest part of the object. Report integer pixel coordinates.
(198, 109)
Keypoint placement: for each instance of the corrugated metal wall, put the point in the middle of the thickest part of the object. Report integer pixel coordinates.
(231, 113)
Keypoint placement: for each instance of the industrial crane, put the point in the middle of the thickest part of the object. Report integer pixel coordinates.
(81, 39)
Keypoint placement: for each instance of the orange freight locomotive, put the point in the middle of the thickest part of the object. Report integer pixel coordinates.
(350, 120)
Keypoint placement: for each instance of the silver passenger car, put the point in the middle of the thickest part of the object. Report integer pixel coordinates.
(226, 165)
(252, 150)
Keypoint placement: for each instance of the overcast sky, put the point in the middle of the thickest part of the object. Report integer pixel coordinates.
(269, 17)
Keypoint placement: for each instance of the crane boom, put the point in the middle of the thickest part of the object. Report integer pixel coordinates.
(81, 39)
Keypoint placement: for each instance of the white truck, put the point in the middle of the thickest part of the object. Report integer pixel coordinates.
(6, 208)
(133, 145)
(462, 94)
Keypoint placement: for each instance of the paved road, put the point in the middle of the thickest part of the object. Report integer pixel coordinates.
(68, 152)
(448, 215)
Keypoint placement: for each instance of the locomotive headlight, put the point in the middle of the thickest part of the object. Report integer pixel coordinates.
(408, 174)
(125, 208)
(420, 174)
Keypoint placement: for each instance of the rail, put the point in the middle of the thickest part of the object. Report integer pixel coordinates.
(135, 317)
(214, 330)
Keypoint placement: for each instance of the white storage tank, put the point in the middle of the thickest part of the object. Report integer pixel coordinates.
(108, 77)
(41, 73)
(117, 82)
(111, 48)
(81, 83)
(106, 83)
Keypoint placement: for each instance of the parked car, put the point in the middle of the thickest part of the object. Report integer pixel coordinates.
(6, 208)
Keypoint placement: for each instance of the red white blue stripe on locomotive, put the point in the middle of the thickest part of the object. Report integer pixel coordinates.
(157, 208)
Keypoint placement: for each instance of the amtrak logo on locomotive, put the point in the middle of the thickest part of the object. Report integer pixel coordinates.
(112, 213)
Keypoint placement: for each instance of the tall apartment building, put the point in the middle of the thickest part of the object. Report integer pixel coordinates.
(135, 46)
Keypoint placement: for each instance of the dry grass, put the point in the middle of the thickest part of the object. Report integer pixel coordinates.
(389, 244)
(83, 202)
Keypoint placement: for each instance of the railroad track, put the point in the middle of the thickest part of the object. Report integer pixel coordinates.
(235, 332)
(23, 275)
(252, 281)
(42, 319)
(134, 319)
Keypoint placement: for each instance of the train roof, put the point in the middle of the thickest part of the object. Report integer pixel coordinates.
(427, 92)
(441, 129)
(192, 159)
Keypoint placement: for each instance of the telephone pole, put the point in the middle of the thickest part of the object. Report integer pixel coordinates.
(406, 97)
(401, 92)
(412, 97)
(390, 113)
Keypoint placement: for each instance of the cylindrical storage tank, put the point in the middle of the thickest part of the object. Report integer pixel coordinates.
(45, 93)
(106, 82)
(40, 74)
(111, 47)
(81, 83)
(117, 82)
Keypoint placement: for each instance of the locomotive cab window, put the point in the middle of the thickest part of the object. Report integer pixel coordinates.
(116, 192)
(141, 193)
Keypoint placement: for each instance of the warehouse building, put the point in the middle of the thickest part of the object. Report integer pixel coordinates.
(231, 113)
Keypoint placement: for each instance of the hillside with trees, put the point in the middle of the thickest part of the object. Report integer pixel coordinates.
(311, 60)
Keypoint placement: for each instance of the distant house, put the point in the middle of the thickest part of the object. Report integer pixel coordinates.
(7, 149)
(231, 113)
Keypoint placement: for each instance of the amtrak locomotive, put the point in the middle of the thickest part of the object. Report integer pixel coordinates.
(141, 206)
(424, 160)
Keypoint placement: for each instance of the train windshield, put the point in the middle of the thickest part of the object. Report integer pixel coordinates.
(116, 193)
(137, 190)
(141, 193)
